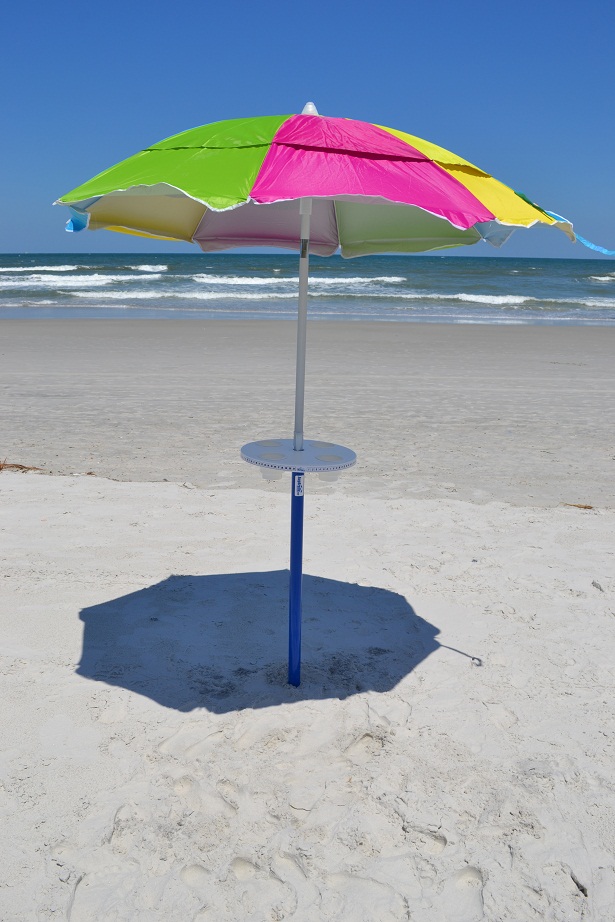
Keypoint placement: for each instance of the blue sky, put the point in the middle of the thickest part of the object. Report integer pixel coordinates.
(522, 89)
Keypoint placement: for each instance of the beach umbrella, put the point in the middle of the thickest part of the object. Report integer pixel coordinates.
(313, 184)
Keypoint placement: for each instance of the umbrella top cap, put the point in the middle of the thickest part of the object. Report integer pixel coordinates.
(309, 109)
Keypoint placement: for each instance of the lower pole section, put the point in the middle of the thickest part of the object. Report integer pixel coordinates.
(296, 579)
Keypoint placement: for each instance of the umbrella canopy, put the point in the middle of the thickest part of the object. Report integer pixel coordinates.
(373, 190)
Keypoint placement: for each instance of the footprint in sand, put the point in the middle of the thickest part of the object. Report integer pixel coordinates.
(349, 896)
(363, 749)
(194, 876)
(430, 843)
(189, 790)
(259, 894)
(427, 842)
(242, 868)
(463, 896)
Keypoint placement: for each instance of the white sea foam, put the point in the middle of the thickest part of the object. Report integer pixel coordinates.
(493, 299)
(600, 303)
(315, 281)
(235, 280)
(154, 294)
(358, 280)
(235, 296)
(180, 294)
(502, 300)
(40, 268)
(148, 268)
(95, 280)
(603, 278)
(120, 295)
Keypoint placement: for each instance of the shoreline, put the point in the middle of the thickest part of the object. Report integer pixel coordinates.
(18, 315)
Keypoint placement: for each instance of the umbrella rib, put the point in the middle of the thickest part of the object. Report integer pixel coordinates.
(359, 154)
(147, 150)
(395, 158)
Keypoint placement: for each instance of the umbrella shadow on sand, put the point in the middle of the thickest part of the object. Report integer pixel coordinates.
(220, 642)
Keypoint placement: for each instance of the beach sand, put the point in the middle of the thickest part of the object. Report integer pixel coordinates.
(481, 413)
(449, 754)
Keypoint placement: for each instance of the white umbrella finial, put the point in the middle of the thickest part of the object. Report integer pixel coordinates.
(309, 109)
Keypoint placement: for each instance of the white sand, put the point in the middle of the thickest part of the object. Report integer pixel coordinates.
(449, 754)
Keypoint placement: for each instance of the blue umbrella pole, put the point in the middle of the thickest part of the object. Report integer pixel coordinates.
(296, 579)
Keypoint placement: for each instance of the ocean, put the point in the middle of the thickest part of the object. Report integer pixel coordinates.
(430, 289)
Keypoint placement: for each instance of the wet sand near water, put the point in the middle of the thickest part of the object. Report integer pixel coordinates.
(520, 414)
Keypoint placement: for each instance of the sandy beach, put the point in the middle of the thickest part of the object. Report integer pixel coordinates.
(449, 754)
(481, 413)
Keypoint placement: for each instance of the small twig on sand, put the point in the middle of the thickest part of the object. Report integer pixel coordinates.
(579, 505)
(7, 466)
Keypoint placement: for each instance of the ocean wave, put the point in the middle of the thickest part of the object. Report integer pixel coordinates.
(40, 268)
(547, 304)
(500, 301)
(119, 295)
(599, 303)
(148, 268)
(242, 280)
(314, 281)
(395, 288)
(72, 281)
(154, 294)
(493, 299)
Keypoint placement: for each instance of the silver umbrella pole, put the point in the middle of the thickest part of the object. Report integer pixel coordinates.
(305, 210)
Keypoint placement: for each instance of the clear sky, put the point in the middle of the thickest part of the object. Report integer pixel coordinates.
(524, 90)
